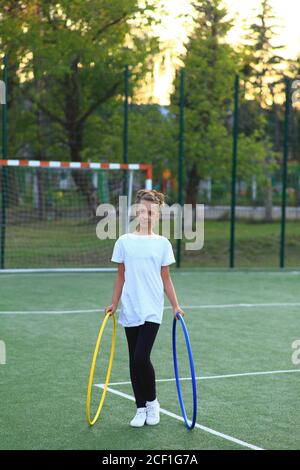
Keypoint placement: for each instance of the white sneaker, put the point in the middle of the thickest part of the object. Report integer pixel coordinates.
(139, 419)
(152, 408)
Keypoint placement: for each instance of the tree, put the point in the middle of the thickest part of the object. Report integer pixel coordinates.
(264, 84)
(74, 55)
(294, 73)
(210, 66)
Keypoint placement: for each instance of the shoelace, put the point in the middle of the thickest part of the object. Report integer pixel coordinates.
(151, 411)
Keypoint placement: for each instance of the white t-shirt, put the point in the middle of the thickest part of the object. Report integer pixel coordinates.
(143, 291)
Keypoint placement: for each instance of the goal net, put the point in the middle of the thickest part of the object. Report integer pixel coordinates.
(48, 211)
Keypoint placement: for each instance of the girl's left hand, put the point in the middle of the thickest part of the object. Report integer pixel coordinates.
(177, 310)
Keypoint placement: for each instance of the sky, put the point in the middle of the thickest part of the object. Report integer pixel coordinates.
(174, 30)
(288, 16)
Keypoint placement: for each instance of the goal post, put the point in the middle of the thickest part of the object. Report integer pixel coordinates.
(48, 212)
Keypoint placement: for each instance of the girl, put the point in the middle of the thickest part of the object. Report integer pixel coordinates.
(143, 259)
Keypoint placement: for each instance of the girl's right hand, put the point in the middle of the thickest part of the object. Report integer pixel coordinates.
(177, 310)
(111, 308)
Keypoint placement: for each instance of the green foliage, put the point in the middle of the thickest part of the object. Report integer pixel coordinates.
(72, 56)
(211, 65)
(66, 82)
(262, 57)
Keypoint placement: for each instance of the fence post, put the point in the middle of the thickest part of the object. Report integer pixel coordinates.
(284, 169)
(180, 160)
(125, 126)
(234, 166)
(4, 169)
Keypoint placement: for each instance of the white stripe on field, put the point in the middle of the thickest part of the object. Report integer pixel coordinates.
(238, 271)
(188, 307)
(198, 426)
(242, 305)
(201, 271)
(207, 377)
(52, 312)
(18, 272)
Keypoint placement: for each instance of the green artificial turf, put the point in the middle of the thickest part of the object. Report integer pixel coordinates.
(49, 346)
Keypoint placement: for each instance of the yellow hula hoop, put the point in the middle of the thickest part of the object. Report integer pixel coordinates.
(90, 383)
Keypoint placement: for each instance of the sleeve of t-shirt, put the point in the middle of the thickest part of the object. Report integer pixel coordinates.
(118, 252)
(168, 255)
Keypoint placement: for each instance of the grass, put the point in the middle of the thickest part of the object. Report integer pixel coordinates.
(44, 382)
(257, 245)
(71, 244)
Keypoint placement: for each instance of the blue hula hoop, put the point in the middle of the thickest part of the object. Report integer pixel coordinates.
(189, 424)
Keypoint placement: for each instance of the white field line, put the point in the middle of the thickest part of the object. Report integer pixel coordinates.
(198, 426)
(18, 272)
(208, 377)
(184, 307)
(239, 272)
(50, 312)
(10, 273)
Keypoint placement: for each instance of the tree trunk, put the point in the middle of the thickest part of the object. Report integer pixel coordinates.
(192, 186)
(85, 186)
(40, 194)
(74, 129)
(268, 201)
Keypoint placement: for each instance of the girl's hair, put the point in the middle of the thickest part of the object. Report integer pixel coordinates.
(150, 195)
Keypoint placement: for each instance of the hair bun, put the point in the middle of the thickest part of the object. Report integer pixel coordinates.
(150, 195)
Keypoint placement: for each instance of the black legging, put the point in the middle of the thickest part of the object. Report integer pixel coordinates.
(140, 341)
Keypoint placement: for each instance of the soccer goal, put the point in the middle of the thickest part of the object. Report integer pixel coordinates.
(48, 212)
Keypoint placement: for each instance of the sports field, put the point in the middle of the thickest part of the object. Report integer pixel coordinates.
(242, 325)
